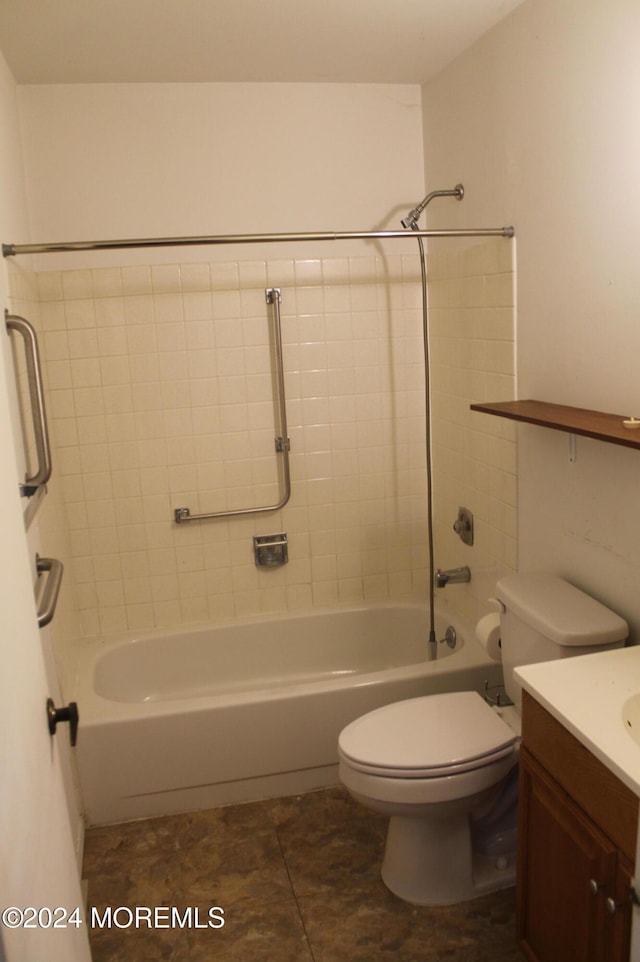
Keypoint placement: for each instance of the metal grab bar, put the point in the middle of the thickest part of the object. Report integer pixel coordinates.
(38, 413)
(273, 296)
(10, 250)
(47, 597)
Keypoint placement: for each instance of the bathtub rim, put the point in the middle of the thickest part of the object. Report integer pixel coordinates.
(98, 710)
(100, 642)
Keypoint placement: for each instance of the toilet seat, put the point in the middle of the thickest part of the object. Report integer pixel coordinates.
(428, 737)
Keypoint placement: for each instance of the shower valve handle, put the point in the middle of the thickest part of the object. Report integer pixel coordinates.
(463, 525)
(68, 714)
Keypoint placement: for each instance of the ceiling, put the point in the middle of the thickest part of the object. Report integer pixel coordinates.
(178, 41)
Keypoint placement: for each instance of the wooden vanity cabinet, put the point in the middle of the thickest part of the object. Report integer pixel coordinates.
(577, 841)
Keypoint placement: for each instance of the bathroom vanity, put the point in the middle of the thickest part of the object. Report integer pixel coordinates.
(578, 826)
(579, 810)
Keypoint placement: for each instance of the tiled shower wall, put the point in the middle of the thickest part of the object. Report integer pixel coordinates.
(472, 323)
(160, 390)
(161, 395)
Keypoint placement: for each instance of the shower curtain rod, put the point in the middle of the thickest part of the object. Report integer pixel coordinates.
(11, 250)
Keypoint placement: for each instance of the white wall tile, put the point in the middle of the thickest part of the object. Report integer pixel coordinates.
(168, 399)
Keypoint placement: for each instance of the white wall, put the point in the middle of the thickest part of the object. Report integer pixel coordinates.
(538, 121)
(37, 854)
(144, 160)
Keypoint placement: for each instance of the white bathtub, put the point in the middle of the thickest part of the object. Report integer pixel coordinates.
(192, 719)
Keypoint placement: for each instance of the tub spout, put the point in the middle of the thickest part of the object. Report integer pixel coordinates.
(452, 576)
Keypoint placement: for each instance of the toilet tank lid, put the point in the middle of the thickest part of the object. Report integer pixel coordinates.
(559, 610)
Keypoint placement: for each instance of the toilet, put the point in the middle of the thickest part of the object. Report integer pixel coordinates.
(444, 767)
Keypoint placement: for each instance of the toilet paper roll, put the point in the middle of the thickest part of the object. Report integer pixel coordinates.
(488, 634)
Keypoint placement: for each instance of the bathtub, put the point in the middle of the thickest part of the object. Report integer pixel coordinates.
(188, 719)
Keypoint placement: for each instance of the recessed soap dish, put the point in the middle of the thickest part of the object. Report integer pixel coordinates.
(271, 550)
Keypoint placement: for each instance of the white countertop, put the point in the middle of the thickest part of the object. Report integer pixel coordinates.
(587, 694)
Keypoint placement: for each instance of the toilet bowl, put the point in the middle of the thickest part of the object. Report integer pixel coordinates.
(442, 766)
(431, 788)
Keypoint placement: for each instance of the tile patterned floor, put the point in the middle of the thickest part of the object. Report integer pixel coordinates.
(298, 879)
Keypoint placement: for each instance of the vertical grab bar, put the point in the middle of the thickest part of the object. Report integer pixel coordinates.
(181, 515)
(274, 296)
(38, 413)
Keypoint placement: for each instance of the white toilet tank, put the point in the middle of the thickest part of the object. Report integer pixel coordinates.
(545, 618)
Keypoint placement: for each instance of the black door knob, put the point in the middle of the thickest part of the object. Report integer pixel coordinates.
(69, 714)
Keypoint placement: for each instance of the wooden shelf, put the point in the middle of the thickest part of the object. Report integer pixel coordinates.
(559, 417)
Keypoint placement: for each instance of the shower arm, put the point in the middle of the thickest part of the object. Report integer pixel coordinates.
(411, 220)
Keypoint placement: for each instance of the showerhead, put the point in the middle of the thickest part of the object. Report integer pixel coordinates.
(410, 222)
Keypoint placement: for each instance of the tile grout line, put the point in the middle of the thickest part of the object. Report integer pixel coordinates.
(304, 927)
